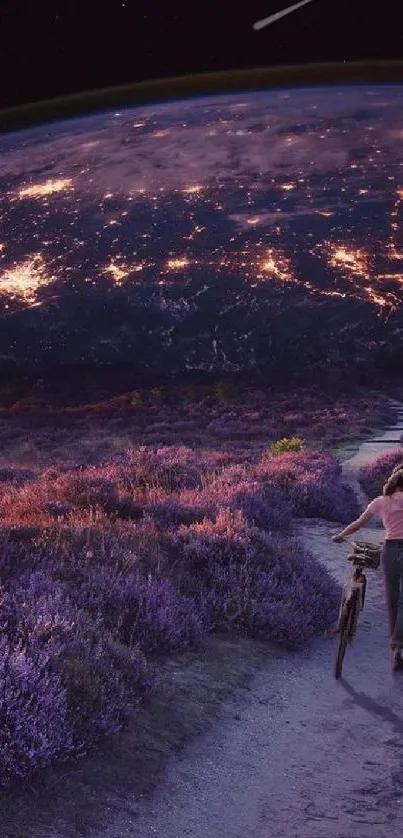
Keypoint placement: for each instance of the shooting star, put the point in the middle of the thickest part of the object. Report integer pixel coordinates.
(272, 18)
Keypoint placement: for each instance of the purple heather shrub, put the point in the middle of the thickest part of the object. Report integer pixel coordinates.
(266, 508)
(178, 468)
(172, 513)
(148, 614)
(94, 456)
(16, 476)
(317, 498)
(156, 427)
(58, 509)
(35, 603)
(246, 580)
(217, 459)
(100, 680)
(315, 594)
(15, 557)
(34, 724)
(311, 481)
(373, 476)
(172, 467)
(263, 506)
(223, 485)
(86, 489)
(104, 488)
(121, 458)
(224, 428)
(104, 680)
(181, 426)
(252, 601)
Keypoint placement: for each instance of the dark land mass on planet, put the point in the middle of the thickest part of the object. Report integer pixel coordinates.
(288, 337)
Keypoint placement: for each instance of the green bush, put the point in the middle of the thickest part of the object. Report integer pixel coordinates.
(287, 444)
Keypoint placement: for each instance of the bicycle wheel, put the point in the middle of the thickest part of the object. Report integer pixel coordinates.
(347, 623)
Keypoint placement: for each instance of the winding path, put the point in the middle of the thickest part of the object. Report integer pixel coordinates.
(297, 755)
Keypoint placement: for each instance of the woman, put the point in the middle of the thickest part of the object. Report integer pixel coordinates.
(389, 507)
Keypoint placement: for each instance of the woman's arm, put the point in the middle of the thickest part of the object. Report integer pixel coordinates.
(353, 527)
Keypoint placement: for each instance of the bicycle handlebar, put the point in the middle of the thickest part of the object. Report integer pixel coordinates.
(364, 544)
(364, 554)
(360, 543)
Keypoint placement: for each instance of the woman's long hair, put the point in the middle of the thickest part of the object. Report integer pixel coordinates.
(395, 483)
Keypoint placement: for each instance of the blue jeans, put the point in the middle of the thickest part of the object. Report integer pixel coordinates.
(392, 563)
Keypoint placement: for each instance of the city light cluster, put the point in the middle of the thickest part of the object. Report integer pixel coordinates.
(42, 190)
(24, 281)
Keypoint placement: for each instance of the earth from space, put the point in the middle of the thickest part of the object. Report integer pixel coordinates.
(251, 233)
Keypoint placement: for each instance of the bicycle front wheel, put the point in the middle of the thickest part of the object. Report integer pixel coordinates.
(347, 623)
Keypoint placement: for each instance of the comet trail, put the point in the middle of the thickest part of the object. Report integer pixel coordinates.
(260, 24)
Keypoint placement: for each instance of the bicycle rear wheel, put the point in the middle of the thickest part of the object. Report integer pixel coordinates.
(347, 624)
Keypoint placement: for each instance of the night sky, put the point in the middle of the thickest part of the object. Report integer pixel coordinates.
(65, 47)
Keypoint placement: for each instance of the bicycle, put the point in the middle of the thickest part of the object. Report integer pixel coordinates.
(364, 555)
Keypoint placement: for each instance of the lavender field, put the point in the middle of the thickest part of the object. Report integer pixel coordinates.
(133, 526)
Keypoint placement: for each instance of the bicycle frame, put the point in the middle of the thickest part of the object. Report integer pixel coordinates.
(353, 598)
(358, 582)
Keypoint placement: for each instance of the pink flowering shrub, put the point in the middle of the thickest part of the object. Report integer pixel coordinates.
(373, 476)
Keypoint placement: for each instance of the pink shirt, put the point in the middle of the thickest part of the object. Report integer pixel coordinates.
(390, 509)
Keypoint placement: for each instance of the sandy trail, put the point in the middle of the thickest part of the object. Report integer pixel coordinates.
(297, 755)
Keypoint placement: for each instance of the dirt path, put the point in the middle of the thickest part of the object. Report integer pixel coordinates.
(298, 755)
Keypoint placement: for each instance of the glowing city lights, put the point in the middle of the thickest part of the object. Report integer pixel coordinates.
(193, 190)
(178, 264)
(243, 214)
(395, 254)
(355, 261)
(276, 266)
(41, 190)
(23, 281)
(119, 272)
